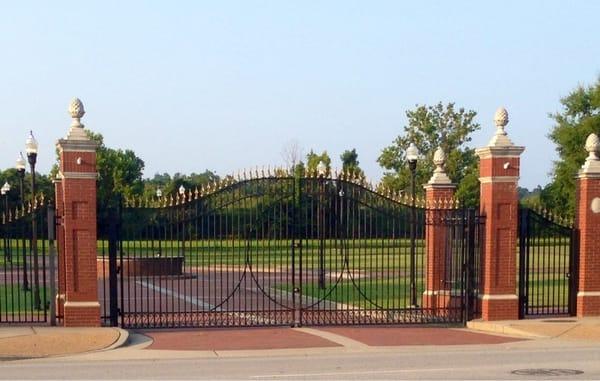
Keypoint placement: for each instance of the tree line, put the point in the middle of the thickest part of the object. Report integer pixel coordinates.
(120, 171)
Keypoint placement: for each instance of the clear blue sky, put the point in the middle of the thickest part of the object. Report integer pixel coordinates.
(223, 85)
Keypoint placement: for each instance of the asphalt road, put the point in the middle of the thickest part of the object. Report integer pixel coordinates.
(414, 362)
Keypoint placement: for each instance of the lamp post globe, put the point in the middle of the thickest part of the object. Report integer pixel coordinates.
(321, 169)
(5, 188)
(412, 153)
(20, 163)
(31, 147)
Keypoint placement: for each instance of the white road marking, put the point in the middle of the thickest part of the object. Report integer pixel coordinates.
(189, 299)
(309, 375)
(205, 306)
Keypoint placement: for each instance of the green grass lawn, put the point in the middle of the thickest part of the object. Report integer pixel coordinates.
(365, 253)
(13, 299)
(11, 254)
(551, 290)
(364, 293)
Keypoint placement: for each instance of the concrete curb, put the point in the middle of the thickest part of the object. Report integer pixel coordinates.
(492, 327)
(121, 340)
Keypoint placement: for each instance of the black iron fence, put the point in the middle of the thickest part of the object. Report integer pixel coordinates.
(280, 250)
(26, 289)
(548, 252)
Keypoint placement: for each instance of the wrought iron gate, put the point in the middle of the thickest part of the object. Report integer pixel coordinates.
(280, 250)
(548, 251)
(27, 284)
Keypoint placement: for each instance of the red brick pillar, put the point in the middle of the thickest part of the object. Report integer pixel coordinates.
(439, 193)
(78, 190)
(499, 175)
(588, 222)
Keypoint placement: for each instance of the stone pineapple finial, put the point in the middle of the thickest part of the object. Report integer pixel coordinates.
(592, 162)
(439, 159)
(592, 145)
(439, 174)
(76, 111)
(500, 139)
(501, 120)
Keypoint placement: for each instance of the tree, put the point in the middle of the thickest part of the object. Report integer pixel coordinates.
(350, 163)
(430, 127)
(313, 160)
(119, 173)
(529, 198)
(44, 187)
(291, 153)
(579, 117)
(170, 185)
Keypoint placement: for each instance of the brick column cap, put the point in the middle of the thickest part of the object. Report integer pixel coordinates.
(76, 145)
(499, 151)
(439, 186)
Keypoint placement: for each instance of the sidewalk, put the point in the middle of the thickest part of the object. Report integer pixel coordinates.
(344, 337)
(568, 328)
(19, 342)
(34, 342)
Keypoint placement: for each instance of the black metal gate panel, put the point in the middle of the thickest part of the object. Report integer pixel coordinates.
(548, 251)
(25, 274)
(279, 250)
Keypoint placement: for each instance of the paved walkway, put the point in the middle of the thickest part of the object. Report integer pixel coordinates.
(569, 328)
(356, 337)
(18, 342)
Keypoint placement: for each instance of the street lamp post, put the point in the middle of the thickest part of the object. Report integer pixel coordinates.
(181, 216)
(321, 172)
(412, 154)
(159, 194)
(20, 166)
(31, 147)
(4, 190)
